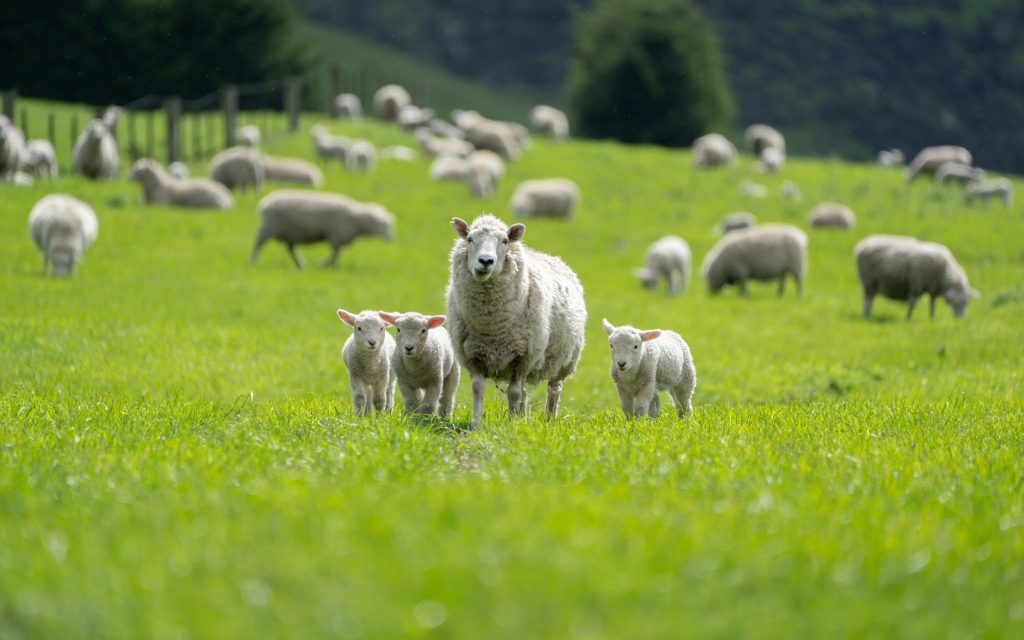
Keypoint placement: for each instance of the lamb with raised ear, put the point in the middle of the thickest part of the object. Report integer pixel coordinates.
(428, 374)
(367, 355)
(62, 228)
(646, 362)
(667, 259)
(765, 252)
(160, 188)
(515, 314)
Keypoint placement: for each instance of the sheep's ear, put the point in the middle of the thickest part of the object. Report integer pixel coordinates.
(435, 321)
(607, 326)
(461, 228)
(347, 317)
(389, 318)
(647, 336)
(974, 293)
(516, 232)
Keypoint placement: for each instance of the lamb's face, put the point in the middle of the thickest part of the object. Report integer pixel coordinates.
(648, 278)
(627, 345)
(412, 331)
(487, 247)
(368, 330)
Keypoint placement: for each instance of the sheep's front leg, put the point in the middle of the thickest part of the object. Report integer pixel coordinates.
(554, 395)
(931, 307)
(642, 401)
(359, 397)
(431, 395)
(451, 384)
(911, 301)
(625, 401)
(655, 409)
(674, 278)
(479, 383)
(516, 395)
(294, 251)
(332, 259)
(380, 397)
(782, 285)
(410, 397)
(869, 298)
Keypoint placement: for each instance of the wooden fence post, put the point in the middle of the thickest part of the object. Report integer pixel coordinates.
(10, 101)
(24, 123)
(74, 130)
(173, 108)
(51, 128)
(333, 89)
(229, 97)
(293, 102)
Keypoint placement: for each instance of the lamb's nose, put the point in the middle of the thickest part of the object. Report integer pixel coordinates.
(622, 364)
(408, 349)
(372, 343)
(485, 260)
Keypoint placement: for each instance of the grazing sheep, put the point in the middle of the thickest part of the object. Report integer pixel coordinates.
(178, 170)
(95, 153)
(904, 268)
(367, 354)
(462, 118)
(328, 146)
(551, 198)
(890, 158)
(292, 170)
(12, 148)
(485, 169)
(362, 157)
(752, 189)
(160, 188)
(411, 117)
(765, 252)
(248, 136)
(929, 159)
(1000, 188)
(449, 169)
(790, 191)
(239, 168)
(646, 362)
(40, 159)
(831, 214)
(735, 221)
(515, 314)
(307, 217)
(348, 105)
(771, 161)
(428, 374)
(713, 150)
(959, 173)
(549, 121)
(435, 147)
(494, 136)
(21, 179)
(398, 152)
(759, 137)
(668, 258)
(389, 100)
(62, 228)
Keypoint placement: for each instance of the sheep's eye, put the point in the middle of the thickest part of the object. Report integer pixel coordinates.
(505, 241)
(397, 330)
(636, 346)
(422, 331)
(359, 328)
(469, 239)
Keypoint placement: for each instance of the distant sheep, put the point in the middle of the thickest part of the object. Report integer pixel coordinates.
(307, 217)
(367, 355)
(348, 106)
(735, 222)
(646, 362)
(765, 252)
(435, 147)
(929, 159)
(790, 191)
(411, 117)
(890, 158)
(398, 152)
(239, 168)
(389, 100)
(462, 118)
(904, 268)
(20, 179)
(549, 121)
(550, 198)
(12, 148)
(160, 188)
(449, 169)
(959, 173)
(667, 259)
(178, 170)
(752, 189)
(499, 137)
(292, 170)
(1000, 188)
(832, 214)
(772, 160)
(759, 137)
(248, 136)
(62, 228)
(515, 314)
(40, 159)
(362, 157)
(485, 169)
(713, 150)
(424, 360)
(445, 130)
(328, 146)
(95, 153)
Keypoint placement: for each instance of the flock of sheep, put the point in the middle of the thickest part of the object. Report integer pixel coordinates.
(514, 314)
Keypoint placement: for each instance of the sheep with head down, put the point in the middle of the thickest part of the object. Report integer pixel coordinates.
(667, 259)
(62, 228)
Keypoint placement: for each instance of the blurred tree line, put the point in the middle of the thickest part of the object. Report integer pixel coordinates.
(845, 77)
(113, 51)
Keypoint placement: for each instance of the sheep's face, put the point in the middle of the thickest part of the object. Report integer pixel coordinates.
(144, 171)
(958, 297)
(368, 330)
(487, 247)
(647, 277)
(63, 254)
(95, 131)
(412, 331)
(627, 345)
(381, 223)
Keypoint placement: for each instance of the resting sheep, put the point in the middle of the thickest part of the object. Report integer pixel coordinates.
(248, 136)
(549, 121)
(735, 221)
(362, 157)
(668, 259)
(307, 217)
(348, 105)
(831, 214)
(160, 188)
(929, 159)
(904, 268)
(752, 189)
(239, 168)
(40, 159)
(713, 150)
(790, 191)
(389, 100)
(292, 170)
(449, 169)
(428, 374)
(1000, 188)
(515, 314)
(411, 117)
(550, 198)
(646, 362)
(959, 173)
(367, 355)
(62, 228)
(759, 137)
(765, 252)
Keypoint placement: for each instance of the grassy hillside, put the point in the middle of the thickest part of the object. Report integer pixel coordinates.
(178, 454)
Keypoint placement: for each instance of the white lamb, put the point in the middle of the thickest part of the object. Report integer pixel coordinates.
(959, 173)
(765, 252)
(306, 217)
(367, 354)
(178, 170)
(515, 314)
(389, 100)
(248, 136)
(904, 268)
(667, 259)
(348, 105)
(713, 150)
(1000, 188)
(735, 221)
(362, 157)
(95, 153)
(62, 228)
(929, 159)
(428, 374)
(239, 168)
(550, 198)
(12, 148)
(40, 159)
(292, 170)
(549, 121)
(328, 146)
(759, 137)
(772, 160)
(832, 214)
(160, 188)
(646, 362)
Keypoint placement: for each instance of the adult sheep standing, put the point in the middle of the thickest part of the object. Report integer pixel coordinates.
(765, 252)
(62, 228)
(668, 259)
(95, 153)
(929, 159)
(389, 100)
(759, 137)
(832, 214)
(549, 121)
(515, 314)
(40, 159)
(905, 268)
(713, 150)
(12, 148)
(548, 198)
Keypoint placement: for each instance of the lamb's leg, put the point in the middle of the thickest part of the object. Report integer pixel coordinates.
(911, 301)
(451, 384)
(681, 397)
(642, 401)
(389, 402)
(479, 384)
(931, 307)
(332, 259)
(655, 409)
(359, 397)
(294, 251)
(409, 396)
(431, 394)
(625, 401)
(554, 395)
(380, 397)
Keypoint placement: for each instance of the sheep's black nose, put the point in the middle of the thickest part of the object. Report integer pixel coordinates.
(408, 349)
(372, 343)
(486, 261)
(622, 364)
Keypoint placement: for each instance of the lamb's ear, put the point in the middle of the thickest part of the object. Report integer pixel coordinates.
(647, 336)
(516, 232)
(347, 317)
(434, 322)
(974, 293)
(388, 318)
(461, 228)
(607, 326)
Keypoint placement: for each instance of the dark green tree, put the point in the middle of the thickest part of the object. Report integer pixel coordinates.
(648, 72)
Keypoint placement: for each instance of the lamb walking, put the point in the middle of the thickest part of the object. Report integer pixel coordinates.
(646, 362)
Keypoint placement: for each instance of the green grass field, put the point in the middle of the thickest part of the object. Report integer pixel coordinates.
(179, 457)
